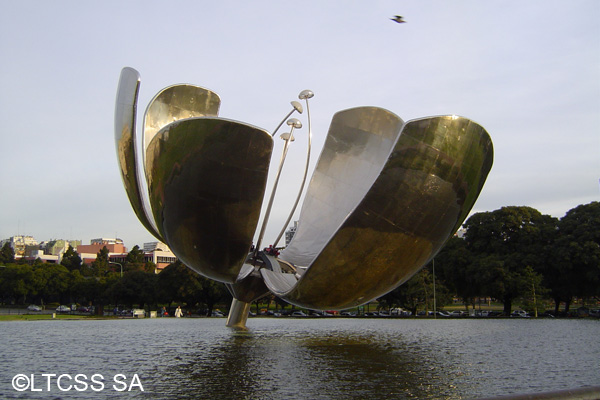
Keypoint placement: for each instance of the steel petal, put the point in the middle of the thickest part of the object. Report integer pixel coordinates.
(423, 194)
(174, 103)
(125, 140)
(207, 178)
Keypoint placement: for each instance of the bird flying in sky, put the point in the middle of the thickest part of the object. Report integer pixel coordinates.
(398, 19)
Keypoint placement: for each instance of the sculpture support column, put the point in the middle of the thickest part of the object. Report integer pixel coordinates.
(238, 314)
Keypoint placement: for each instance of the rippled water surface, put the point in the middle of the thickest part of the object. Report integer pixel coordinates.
(279, 358)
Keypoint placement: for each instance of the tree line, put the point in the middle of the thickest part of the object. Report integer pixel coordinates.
(100, 283)
(511, 254)
(514, 254)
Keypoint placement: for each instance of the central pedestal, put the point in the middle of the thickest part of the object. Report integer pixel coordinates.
(238, 314)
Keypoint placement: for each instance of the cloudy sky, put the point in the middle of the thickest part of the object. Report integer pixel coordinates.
(529, 72)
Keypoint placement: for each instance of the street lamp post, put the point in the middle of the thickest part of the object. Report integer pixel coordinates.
(119, 264)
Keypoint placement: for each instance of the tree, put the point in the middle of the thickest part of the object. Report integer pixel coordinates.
(575, 266)
(454, 264)
(180, 284)
(134, 260)
(71, 259)
(504, 242)
(212, 293)
(53, 281)
(535, 291)
(7, 254)
(136, 287)
(418, 292)
(16, 283)
(91, 290)
(100, 264)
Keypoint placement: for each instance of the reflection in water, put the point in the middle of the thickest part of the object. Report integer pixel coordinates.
(284, 360)
(307, 358)
(326, 365)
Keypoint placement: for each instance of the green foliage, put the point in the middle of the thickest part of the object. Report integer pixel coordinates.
(52, 282)
(512, 254)
(454, 267)
(71, 259)
(180, 284)
(136, 287)
(16, 282)
(504, 242)
(135, 260)
(100, 264)
(518, 254)
(418, 292)
(574, 269)
(7, 254)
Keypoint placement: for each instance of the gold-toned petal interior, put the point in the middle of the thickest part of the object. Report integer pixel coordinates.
(207, 178)
(423, 193)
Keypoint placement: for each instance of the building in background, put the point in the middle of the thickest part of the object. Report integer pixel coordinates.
(57, 247)
(289, 234)
(49, 252)
(52, 251)
(158, 253)
(19, 244)
(89, 252)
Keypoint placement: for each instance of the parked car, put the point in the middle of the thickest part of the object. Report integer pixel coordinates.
(549, 314)
(217, 314)
(33, 307)
(519, 313)
(457, 313)
(63, 308)
(298, 314)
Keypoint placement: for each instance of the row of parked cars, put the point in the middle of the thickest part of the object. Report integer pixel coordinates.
(399, 313)
(63, 309)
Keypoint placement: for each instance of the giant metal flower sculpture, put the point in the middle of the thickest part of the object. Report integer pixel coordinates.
(384, 197)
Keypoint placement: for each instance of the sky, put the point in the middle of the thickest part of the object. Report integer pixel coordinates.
(528, 72)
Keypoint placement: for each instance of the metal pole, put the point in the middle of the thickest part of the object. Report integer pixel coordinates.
(238, 314)
(119, 264)
(434, 301)
(270, 204)
(307, 94)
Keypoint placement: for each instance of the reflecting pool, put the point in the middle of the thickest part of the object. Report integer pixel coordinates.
(289, 358)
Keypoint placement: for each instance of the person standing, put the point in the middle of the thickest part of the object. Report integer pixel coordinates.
(178, 312)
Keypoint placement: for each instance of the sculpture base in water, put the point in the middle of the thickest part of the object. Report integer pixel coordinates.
(238, 314)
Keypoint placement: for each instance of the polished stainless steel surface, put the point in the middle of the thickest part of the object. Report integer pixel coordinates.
(428, 185)
(125, 140)
(238, 314)
(305, 94)
(206, 178)
(293, 123)
(357, 146)
(174, 103)
(296, 107)
(384, 197)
